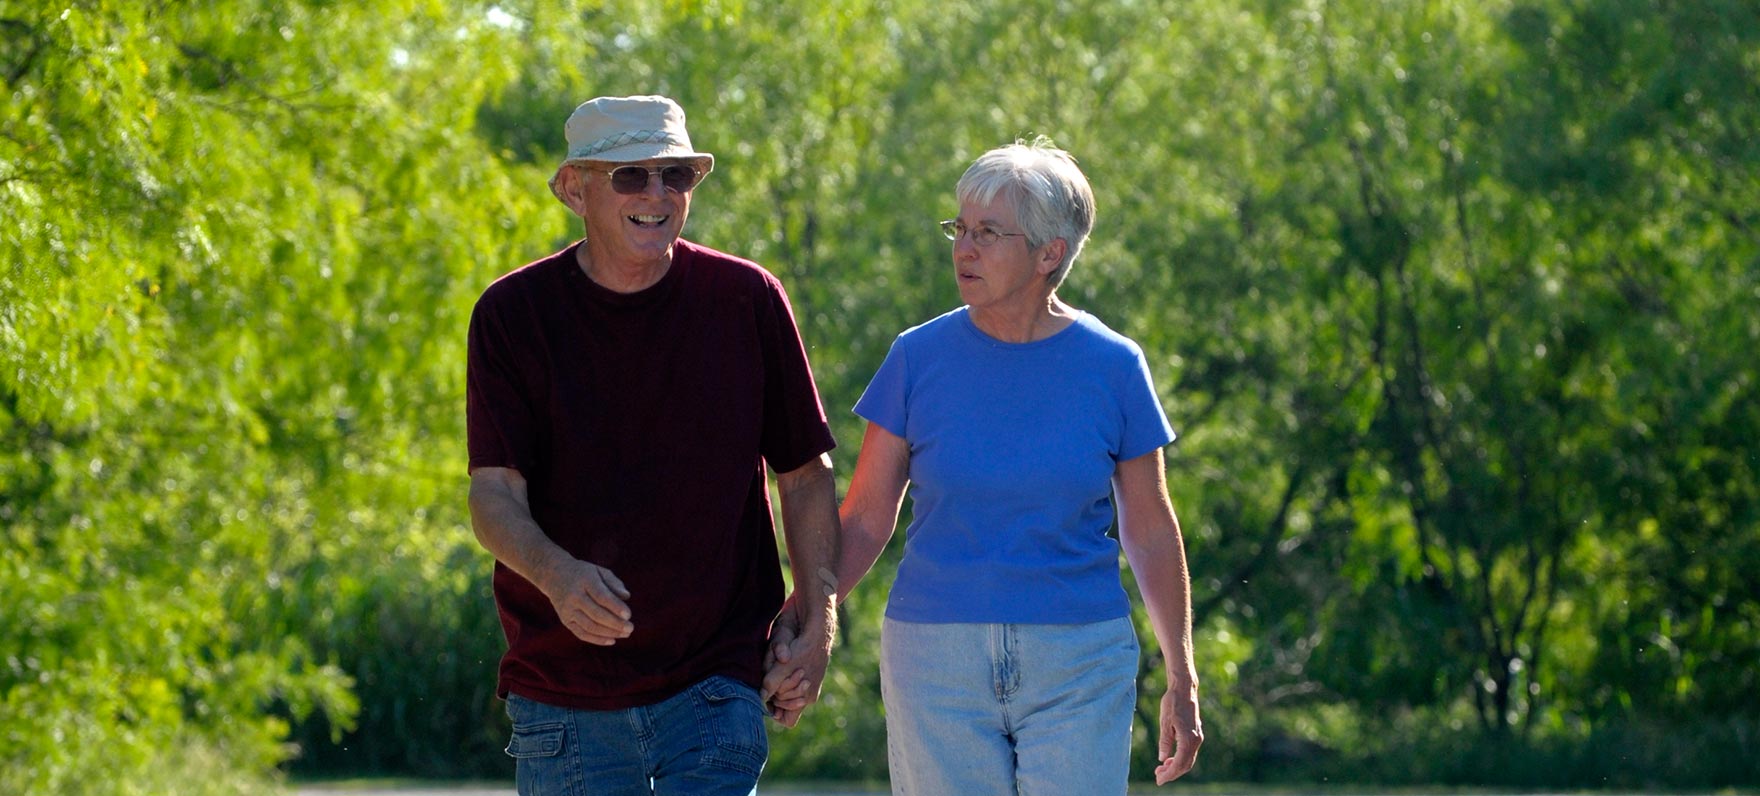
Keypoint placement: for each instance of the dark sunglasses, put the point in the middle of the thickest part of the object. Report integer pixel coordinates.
(634, 179)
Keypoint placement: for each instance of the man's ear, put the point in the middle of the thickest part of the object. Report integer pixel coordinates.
(571, 184)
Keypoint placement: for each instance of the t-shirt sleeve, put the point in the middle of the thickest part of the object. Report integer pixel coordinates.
(883, 403)
(1145, 424)
(500, 425)
(795, 428)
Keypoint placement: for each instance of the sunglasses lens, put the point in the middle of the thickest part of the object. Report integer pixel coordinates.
(678, 178)
(629, 179)
(634, 179)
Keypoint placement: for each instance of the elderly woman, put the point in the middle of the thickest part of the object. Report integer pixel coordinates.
(1008, 656)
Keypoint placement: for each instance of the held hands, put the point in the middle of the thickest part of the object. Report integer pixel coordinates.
(785, 687)
(590, 601)
(794, 667)
(1181, 733)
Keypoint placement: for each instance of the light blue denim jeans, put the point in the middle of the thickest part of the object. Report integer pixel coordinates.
(1035, 710)
(706, 741)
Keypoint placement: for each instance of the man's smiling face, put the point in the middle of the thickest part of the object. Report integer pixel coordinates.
(631, 228)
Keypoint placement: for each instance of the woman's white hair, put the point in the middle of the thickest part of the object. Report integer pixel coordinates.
(1050, 194)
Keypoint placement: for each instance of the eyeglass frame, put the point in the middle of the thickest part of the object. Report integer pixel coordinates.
(649, 173)
(950, 229)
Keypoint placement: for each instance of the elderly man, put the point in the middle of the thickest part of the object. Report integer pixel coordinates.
(624, 397)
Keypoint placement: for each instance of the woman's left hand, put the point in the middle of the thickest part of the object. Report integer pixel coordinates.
(1181, 733)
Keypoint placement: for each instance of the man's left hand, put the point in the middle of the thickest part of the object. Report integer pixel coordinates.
(795, 665)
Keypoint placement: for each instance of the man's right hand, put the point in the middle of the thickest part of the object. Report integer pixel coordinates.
(588, 598)
(590, 602)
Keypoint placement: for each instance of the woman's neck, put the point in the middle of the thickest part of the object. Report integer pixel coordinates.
(1025, 324)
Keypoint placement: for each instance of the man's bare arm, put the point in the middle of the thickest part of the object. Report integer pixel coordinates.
(589, 599)
(808, 495)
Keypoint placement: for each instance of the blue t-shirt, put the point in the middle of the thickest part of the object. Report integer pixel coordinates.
(1012, 451)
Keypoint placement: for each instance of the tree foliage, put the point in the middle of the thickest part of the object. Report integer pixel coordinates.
(1451, 303)
(233, 272)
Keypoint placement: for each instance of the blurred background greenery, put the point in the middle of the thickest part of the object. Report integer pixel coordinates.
(1453, 302)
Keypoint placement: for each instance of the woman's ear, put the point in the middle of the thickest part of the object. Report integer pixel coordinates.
(1050, 255)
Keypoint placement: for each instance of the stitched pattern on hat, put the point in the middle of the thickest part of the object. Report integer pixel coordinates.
(621, 139)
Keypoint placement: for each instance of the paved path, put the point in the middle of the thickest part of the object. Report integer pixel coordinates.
(367, 788)
(420, 788)
(394, 789)
(370, 790)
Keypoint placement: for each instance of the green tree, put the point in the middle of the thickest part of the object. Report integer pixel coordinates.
(234, 263)
(1450, 303)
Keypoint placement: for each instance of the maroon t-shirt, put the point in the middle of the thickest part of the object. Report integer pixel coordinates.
(642, 423)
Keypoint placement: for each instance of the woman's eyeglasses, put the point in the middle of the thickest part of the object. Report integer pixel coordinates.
(634, 179)
(982, 236)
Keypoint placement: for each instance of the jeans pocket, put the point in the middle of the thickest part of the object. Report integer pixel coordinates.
(538, 729)
(537, 740)
(731, 719)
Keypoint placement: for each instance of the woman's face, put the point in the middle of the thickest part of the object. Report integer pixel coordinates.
(1007, 274)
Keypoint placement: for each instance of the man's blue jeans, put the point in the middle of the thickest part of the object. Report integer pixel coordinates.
(708, 739)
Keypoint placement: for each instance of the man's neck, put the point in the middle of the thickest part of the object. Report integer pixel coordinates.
(621, 277)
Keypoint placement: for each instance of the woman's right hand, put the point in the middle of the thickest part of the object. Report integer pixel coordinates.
(785, 690)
